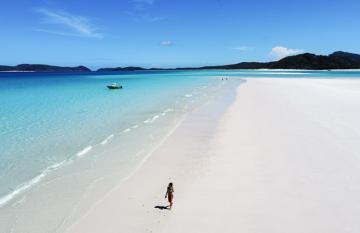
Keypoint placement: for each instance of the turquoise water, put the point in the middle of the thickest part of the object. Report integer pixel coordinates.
(66, 140)
(46, 119)
(62, 135)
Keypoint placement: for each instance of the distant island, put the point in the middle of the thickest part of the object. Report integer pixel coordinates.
(129, 68)
(43, 68)
(305, 61)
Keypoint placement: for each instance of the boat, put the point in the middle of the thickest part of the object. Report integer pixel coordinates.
(114, 86)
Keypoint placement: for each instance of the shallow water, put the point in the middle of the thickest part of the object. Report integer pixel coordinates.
(66, 139)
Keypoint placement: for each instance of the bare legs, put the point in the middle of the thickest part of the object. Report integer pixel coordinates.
(171, 203)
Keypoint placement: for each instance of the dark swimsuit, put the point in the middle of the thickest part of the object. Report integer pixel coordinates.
(170, 192)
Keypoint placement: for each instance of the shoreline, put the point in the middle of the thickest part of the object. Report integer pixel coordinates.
(274, 164)
(94, 167)
(178, 149)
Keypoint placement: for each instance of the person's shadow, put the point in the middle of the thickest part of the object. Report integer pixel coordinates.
(161, 207)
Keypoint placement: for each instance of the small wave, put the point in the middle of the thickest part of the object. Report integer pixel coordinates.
(188, 95)
(166, 111)
(84, 151)
(134, 126)
(23, 187)
(107, 139)
(151, 120)
(169, 110)
(154, 118)
(126, 130)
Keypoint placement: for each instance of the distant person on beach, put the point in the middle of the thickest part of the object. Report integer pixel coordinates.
(170, 194)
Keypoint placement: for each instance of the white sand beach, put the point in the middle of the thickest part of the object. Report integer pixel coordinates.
(285, 157)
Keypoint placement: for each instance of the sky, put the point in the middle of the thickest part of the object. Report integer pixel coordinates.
(173, 33)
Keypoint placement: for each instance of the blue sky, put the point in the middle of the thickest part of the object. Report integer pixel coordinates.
(171, 33)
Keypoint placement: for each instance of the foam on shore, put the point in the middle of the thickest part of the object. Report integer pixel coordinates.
(27, 185)
(84, 151)
(107, 139)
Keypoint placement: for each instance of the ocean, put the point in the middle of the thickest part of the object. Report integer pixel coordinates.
(66, 140)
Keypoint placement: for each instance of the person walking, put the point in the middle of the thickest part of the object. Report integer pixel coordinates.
(170, 194)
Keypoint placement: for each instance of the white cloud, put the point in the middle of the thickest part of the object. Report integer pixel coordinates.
(243, 48)
(166, 43)
(75, 25)
(279, 52)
